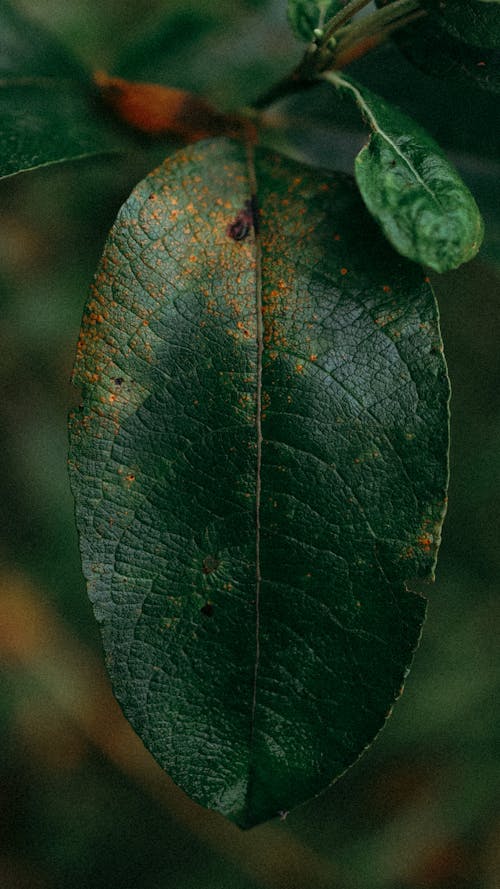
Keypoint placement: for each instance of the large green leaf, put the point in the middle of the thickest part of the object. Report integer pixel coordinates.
(408, 185)
(46, 100)
(259, 466)
(307, 15)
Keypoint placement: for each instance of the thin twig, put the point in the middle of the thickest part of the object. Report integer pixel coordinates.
(400, 12)
(351, 50)
(344, 15)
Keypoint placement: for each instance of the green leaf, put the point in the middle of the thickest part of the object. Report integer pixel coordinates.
(259, 466)
(228, 52)
(46, 100)
(472, 21)
(27, 50)
(417, 197)
(459, 116)
(306, 15)
(475, 22)
(457, 42)
(48, 123)
(451, 59)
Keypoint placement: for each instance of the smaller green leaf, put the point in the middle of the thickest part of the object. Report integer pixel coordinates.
(416, 196)
(307, 15)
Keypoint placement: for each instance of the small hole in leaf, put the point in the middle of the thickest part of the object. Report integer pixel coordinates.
(207, 609)
(118, 381)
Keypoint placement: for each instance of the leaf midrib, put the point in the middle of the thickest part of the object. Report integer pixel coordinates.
(338, 81)
(252, 180)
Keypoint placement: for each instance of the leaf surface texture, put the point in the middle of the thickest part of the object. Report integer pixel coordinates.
(259, 466)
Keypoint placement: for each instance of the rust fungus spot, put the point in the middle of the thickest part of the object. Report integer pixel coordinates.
(425, 542)
(427, 279)
(246, 333)
(313, 357)
(299, 368)
(336, 236)
(387, 289)
(207, 609)
(130, 477)
(210, 564)
(408, 553)
(343, 271)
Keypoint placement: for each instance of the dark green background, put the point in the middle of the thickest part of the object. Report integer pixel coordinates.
(82, 804)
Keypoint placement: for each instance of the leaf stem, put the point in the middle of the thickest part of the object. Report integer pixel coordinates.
(350, 10)
(350, 43)
(355, 46)
(400, 12)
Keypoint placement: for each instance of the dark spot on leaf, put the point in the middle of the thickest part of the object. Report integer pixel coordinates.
(239, 228)
(118, 381)
(207, 609)
(210, 564)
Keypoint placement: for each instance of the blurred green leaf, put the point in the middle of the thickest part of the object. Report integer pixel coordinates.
(27, 50)
(46, 100)
(410, 188)
(48, 123)
(306, 15)
(259, 465)
(225, 52)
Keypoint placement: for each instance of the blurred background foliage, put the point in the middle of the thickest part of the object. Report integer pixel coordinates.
(82, 803)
